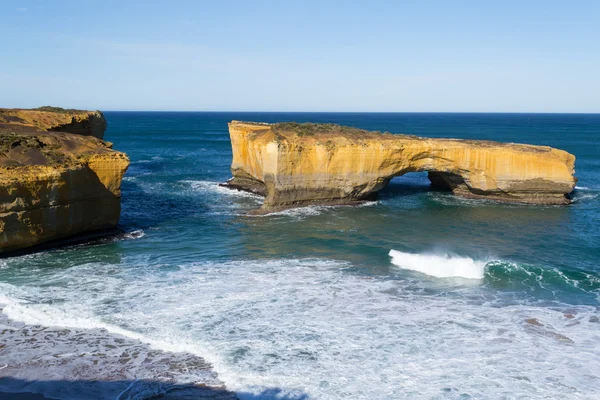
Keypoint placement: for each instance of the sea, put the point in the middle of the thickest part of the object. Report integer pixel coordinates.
(419, 294)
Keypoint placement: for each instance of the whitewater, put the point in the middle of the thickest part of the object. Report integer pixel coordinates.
(416, 295)
(304, 326)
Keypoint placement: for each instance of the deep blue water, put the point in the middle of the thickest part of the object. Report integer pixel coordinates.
(309, 301)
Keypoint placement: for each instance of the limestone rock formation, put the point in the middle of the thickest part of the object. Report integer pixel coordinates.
(301, 164)
(56, 185)
(88, 123)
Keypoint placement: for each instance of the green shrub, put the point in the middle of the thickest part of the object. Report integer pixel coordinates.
(59, 110)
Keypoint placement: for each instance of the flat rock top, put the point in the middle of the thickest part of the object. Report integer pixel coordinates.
(29, 138)
(337, 134)
(43, 118)
(25, 146)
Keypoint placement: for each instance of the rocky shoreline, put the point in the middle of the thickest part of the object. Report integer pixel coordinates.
(68, 363)
(59, 181)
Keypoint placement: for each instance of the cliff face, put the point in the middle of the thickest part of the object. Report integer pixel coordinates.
(300, 164)
(87, 123)
(56, 185)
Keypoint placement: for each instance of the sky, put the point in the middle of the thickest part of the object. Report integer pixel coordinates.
(348, 56)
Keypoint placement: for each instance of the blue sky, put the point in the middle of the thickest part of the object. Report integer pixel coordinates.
(480, 56)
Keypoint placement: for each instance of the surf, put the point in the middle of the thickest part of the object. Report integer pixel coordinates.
(440, 265)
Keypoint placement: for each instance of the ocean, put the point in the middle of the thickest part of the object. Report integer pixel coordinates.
(419, 294)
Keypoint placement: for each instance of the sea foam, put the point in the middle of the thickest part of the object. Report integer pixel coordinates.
(440, 266)
(311, 328)
(216, 188)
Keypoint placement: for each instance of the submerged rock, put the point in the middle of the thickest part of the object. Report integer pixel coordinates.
(56, 185)
(301, 164)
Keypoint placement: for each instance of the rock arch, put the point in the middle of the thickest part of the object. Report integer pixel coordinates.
(301, 164)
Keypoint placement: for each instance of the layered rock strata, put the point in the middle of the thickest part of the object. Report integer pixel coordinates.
(56, 185)
(301, 164)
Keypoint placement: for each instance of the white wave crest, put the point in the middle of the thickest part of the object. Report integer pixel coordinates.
(440, 266)
(297, 212)
(135, 234)
(215, 187)
(43, 314)
(315, 329)
(308, 211)
(584, 197)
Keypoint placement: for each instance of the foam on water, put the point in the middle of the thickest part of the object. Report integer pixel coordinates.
(440, 266)
(253, 202)
(297, 212)
(199, 285)
(134, 234)
(98, 364)
(578, 198)
(309, 211)
(215, 187)
(536, 278)
(450, 199)
(311, 327)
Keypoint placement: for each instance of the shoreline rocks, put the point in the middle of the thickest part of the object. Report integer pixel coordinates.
(295, 165)
(56, 185)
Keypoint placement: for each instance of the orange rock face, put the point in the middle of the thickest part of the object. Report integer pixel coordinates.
(301, 164)
(56, 185)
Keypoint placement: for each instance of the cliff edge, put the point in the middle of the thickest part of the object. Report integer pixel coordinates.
(81, 122)
(56, 185)
(301, 164)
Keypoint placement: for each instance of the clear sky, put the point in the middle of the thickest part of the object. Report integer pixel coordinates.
(497, 56)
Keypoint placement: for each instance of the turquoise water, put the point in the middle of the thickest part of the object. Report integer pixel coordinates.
(310, 301)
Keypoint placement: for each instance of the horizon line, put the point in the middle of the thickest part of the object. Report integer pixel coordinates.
(364, 112)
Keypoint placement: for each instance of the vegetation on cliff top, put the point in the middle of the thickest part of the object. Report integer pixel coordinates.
(24, 146)
(311, 129)
(59, 110)
(26, 149)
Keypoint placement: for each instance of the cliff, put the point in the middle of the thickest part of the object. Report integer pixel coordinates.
(56, 185)
(87, 123)
(300, 164)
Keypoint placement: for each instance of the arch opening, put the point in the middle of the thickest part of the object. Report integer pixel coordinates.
(416, 182)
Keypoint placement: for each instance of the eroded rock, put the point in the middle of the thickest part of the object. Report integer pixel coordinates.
(81, 122)
(301, 164)
(56, 185)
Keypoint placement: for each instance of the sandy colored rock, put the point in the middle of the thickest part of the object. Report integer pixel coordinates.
(55, 185)
(87, 123)
(301, 164)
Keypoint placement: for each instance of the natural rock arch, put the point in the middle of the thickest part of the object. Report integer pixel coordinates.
(301, 164)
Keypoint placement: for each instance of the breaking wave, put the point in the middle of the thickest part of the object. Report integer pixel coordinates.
(440, 266)
(500, 273)
(215, 187)
(303, 325)
(532, 277)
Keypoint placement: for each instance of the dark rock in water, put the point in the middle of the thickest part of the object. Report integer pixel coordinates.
(534, 321)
